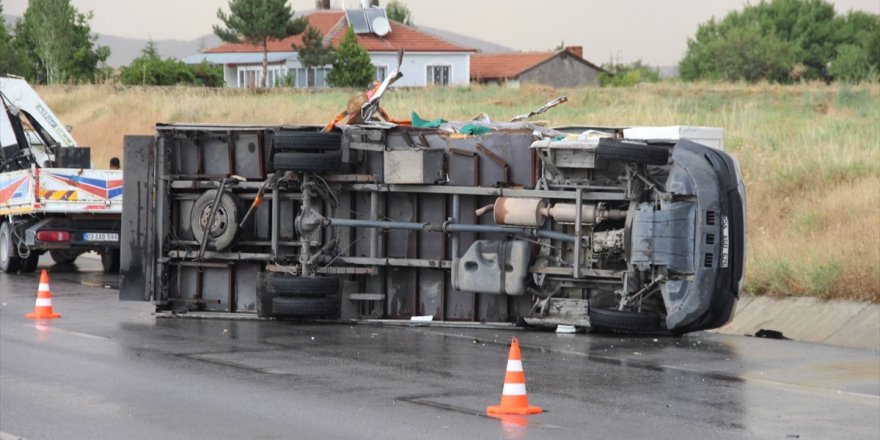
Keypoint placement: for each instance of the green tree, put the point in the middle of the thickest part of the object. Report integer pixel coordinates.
(863, 29)
(150, 50)
(778, 40)
(313, 53)
(625, 75)
(742, 55)
(149, 69)
(58, 42)
(11, 59)
(86, 56)
(48, 25)
(399, 12)
(256, 22)
(352, 66)
(851, 64)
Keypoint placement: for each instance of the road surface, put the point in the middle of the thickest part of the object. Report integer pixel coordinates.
(110, 369)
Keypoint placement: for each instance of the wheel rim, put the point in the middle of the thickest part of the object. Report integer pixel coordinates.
(220, 221)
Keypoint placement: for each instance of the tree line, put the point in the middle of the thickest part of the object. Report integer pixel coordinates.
(51, 43)
(785, 41)
(777, 40)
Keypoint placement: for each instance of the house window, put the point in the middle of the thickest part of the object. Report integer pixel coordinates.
(252, 76)
(301, 79)
(277, 77)
(438, 75)
(381, 71)
(321, 76)
(249, 77)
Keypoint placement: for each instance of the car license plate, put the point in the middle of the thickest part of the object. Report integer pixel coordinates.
(100, 236)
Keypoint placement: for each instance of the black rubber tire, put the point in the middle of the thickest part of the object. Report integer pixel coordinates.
(304, 307)
(307, 162)
(307, 141)
(64, 256)
(284, 285)
(29, 264)
(623, 321)
(228, 215)
(264, 297)
(110, 260)
(613, 149)
(10, 262)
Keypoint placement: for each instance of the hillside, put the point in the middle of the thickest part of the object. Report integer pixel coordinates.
(810, 153)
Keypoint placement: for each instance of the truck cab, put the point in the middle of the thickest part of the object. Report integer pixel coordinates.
(51, 200)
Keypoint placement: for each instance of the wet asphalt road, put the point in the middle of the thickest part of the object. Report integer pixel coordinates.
(110, 369)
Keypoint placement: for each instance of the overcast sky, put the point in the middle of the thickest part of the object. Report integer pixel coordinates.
(654, 31)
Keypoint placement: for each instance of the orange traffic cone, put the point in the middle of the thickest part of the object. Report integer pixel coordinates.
(43, 307)
(513, 398)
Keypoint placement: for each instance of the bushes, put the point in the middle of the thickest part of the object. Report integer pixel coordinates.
(150, 69)
(626, 75)
(785, 41)
(168, 72)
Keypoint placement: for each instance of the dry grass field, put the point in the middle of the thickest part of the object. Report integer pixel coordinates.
(810, 153)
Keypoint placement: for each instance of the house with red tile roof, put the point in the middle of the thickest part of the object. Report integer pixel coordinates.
(429, 60)
(564, 68)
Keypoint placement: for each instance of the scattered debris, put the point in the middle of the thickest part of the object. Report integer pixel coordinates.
(565, 328)
(770, 334)
(544, 108)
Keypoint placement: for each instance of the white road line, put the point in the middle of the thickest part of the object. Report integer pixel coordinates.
(8, 436)
(73, 333)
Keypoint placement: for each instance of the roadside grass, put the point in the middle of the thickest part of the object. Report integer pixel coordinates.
(810, 153)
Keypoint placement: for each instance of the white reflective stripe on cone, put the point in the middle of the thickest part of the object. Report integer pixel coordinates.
(43, 287)
(513, 365)
(514, 389)
(44, 302)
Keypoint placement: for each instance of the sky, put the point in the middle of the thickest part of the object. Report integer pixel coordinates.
(626, 30)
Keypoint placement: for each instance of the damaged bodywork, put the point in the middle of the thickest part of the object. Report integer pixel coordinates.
(620, 229)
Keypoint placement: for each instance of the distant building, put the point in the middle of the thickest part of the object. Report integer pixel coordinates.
(562, 68)
(429, 60)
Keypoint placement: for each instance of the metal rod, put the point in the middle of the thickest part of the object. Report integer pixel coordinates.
(592, 193)
(374, 216)
(449, 228)
(305, 248)
(276, 215)
(456, 218)
(577, 232)
(397, 262)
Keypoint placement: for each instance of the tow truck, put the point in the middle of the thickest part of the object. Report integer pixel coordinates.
(51, 200)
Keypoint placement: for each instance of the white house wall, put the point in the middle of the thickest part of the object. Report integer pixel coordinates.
(415, 66)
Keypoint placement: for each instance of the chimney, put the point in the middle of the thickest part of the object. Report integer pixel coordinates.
(322, 5)
(575, 50)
